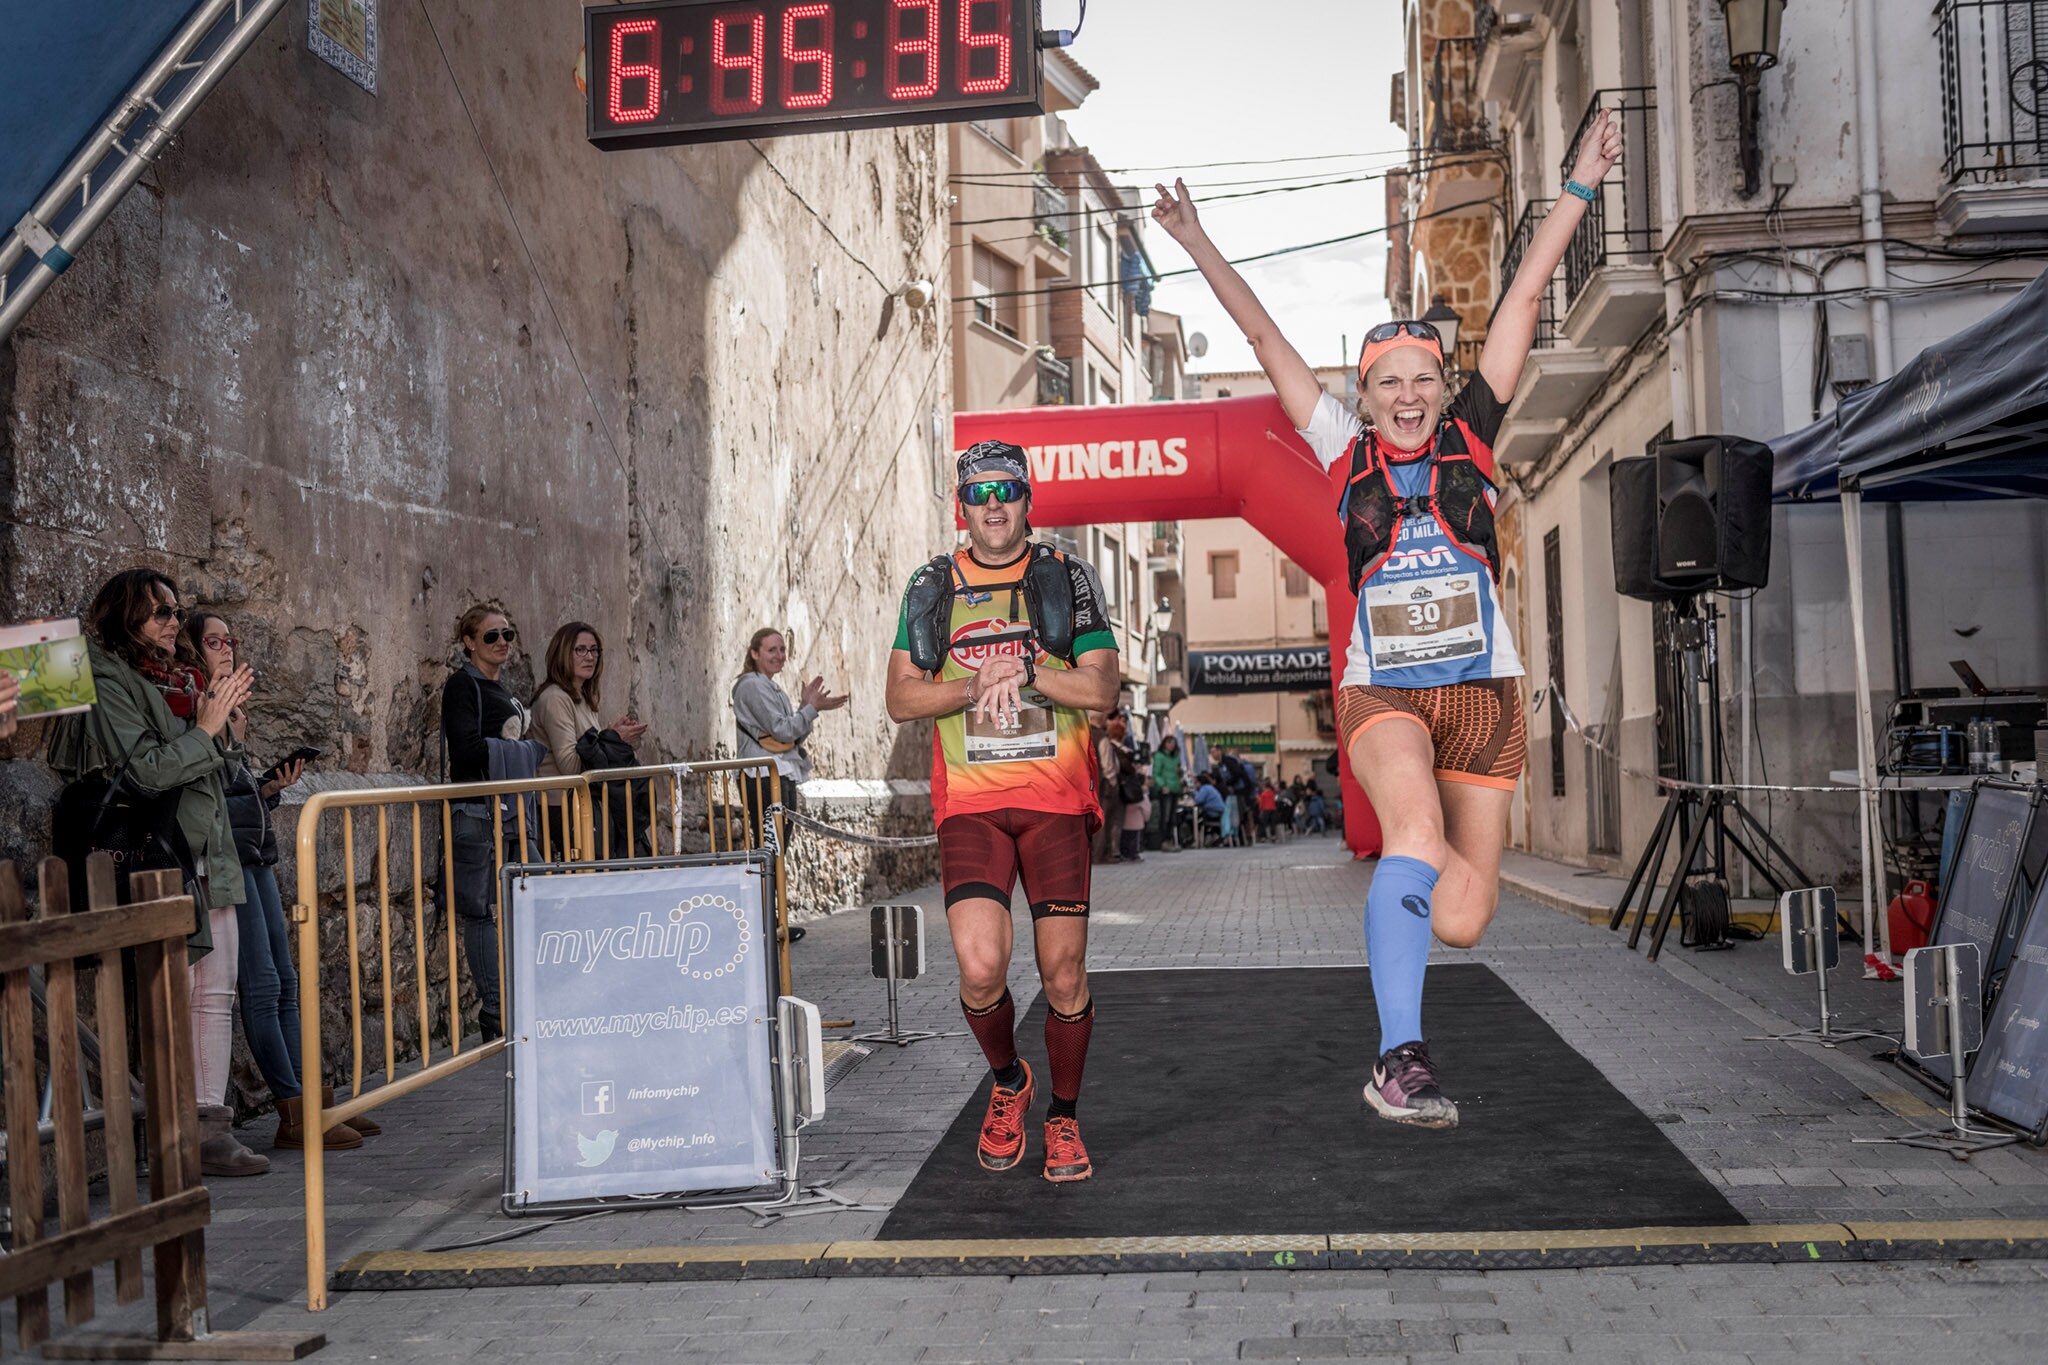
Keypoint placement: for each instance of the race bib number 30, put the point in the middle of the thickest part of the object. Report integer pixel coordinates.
(1424, 620)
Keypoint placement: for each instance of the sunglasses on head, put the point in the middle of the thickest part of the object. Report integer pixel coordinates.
(1387, 331)
(999, 490)
(491, 637)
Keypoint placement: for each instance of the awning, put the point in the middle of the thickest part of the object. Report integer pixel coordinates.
(1966, 418)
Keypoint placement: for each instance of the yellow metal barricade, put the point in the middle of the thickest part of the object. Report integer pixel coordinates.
(379, 803)
(735, 793)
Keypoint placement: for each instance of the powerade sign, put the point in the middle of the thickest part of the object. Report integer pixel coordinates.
(641, 1016)
(1224, 671)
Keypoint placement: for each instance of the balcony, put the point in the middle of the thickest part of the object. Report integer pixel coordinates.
(1457, 115)
(1994, 115)
(1613, 287)
(1050, 215)
(1510, 48)
(1162, 548)
(1055, 381)
(1559, 375)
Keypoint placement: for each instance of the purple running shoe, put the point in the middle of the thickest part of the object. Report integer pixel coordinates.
(1404, 1089)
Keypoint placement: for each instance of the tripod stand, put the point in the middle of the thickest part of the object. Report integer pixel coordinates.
(1692, 813)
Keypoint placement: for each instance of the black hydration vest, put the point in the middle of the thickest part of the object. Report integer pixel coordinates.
(1044, 590)
(1372, 511)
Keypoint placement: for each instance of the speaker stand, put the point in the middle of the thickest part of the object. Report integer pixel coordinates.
(1690, 813)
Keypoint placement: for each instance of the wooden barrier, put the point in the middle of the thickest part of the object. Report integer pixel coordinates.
(171, 1224)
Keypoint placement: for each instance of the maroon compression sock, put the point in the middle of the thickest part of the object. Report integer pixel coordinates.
(995, 1028)
(1066, 1048)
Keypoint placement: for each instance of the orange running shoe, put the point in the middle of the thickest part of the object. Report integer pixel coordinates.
(1002, 1130)
(1065, 1157)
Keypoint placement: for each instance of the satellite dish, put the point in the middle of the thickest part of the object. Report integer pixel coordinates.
(1198, 345)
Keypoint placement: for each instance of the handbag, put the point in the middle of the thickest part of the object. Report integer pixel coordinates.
(98, 812)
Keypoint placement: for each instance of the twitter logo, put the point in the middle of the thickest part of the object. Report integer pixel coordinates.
(597, 1150)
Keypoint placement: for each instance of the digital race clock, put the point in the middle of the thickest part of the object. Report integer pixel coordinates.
(708, 70)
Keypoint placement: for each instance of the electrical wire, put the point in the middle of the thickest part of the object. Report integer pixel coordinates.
(971, 299)
(1132, 209)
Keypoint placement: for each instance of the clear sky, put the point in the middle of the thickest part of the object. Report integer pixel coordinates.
(1193, 81)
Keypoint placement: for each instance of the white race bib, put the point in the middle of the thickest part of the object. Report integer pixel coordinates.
(1425, 620)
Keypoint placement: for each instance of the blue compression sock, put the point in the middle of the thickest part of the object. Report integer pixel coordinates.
(1397, 945)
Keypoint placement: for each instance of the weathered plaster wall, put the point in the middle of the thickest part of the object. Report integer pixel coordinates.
(345, 364)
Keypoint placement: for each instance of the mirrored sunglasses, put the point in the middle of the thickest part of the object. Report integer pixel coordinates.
(1000, 490)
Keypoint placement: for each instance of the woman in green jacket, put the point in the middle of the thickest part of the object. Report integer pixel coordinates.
(166, 730)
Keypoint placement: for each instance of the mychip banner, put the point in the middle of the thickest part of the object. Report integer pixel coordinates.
(641, 1021)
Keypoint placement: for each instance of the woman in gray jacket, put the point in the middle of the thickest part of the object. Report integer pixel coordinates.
(770, 727)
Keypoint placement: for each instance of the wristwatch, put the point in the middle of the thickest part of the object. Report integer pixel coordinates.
(1584, 192)
(1030, 672)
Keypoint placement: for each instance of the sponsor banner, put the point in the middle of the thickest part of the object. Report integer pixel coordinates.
(641, 1016)
(1237, 741)
(1223, 671)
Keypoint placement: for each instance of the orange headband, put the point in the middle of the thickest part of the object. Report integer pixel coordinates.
(1373, 350)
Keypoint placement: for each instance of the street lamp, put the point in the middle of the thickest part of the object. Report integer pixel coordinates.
(1445, 319)
(1753, 27)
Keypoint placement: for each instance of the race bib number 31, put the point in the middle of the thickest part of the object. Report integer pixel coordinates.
(1424, 620)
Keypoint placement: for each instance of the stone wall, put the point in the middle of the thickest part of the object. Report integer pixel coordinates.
(345, 364)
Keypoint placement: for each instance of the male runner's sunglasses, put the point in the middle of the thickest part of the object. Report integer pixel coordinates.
(1387, 331)
(1000, 490)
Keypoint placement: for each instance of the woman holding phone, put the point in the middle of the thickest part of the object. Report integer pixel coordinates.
(1430, 708)
(264, 976)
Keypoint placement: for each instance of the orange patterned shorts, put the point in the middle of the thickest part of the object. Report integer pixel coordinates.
(1476, 726)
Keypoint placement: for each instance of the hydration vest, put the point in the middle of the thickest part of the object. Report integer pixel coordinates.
(1044, 591)
(1372, 511)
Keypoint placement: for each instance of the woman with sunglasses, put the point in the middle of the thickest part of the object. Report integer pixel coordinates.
(264, 978)
(160, 732)
(1430, 650)
(484, 727)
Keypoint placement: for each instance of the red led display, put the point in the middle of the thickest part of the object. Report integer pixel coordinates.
(707, 70)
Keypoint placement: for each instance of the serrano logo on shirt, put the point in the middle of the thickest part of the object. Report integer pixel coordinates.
(1166, 459)
(975, 643)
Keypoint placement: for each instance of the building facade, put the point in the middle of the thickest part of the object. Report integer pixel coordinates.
(340, 380)
(1052, 306)
(1738, 273)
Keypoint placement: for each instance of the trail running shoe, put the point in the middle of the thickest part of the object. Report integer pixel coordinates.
(1002, 1129)
(1404, 1089)
(1065, 1157)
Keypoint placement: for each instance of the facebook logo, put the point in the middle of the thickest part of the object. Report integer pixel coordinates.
(599, 1097)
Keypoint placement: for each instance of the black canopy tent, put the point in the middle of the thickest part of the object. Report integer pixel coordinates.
(1966, 418)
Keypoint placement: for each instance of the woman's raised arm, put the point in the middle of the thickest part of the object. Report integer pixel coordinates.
(1293, 380)
(1513, 332)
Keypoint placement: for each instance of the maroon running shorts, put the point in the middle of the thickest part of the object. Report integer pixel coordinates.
(981, 854)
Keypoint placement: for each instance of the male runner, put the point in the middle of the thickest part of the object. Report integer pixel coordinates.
(1004, 645)
(1430, 708)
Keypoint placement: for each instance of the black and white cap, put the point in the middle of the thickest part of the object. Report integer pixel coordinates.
(993, 460)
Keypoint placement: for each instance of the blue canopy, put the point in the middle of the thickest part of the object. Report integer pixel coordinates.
(63, 70)
(1965, 418)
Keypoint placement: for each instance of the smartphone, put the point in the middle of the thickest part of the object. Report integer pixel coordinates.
(303, 754)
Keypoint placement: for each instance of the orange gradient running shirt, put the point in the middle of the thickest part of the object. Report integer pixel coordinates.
(1043, 762)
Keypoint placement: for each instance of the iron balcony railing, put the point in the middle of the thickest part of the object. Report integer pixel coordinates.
(1620, 225)
(1055, 380)
(1049, 209)
(1518, 246)
(1485, 19)
(1994, 88)
(1457, 116)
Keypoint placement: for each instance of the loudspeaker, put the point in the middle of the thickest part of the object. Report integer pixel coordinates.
(1692, 516)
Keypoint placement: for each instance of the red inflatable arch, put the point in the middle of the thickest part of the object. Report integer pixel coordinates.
(1227, 457)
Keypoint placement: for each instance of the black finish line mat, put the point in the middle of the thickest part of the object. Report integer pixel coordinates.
(1228, 1102)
